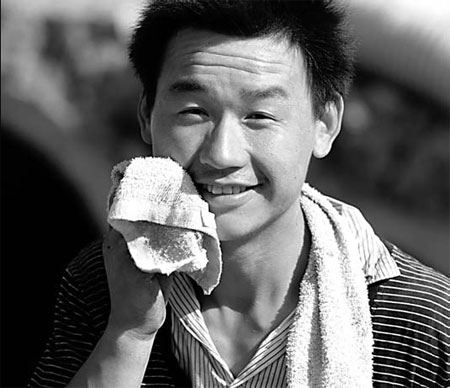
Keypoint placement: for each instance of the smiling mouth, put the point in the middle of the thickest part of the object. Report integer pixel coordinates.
(225, 189)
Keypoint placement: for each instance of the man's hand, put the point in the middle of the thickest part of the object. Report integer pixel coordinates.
(138, 310)
(138, 299)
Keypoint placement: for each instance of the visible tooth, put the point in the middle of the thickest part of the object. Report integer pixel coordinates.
(224, 190)
(236, 189)
(227, 189)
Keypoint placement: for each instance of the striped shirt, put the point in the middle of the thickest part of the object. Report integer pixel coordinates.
(410, 316)
(410, 310)
(196, 352)
(198, 356)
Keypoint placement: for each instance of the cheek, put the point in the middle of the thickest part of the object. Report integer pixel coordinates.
(179, 144)
(290, 151)
(287, 162)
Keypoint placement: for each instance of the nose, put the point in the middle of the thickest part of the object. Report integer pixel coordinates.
(225, 146)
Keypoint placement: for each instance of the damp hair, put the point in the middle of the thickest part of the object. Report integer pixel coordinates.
(318, 28)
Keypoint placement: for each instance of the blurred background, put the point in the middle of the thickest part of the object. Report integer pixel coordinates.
(68, 104)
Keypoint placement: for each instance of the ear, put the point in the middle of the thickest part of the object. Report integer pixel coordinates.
(144, 118)
(328, 127)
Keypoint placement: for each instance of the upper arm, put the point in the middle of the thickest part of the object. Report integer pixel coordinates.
(80, 316)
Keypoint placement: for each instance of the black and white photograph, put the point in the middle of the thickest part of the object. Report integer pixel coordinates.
(225, 193)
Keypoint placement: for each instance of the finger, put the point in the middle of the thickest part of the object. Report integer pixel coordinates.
(166, 283)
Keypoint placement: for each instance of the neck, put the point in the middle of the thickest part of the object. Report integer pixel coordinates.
(263, 273)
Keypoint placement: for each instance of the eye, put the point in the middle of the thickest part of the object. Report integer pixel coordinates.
(260, 116)
(192, 116)
(193, 111)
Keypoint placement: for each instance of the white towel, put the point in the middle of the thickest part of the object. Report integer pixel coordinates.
(154, 204)
(330, 342)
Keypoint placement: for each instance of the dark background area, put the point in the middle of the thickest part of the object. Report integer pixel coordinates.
(68, 115)
(43, 224)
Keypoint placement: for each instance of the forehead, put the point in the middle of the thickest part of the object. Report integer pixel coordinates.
(207, 54)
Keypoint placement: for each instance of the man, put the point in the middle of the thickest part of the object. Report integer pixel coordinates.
(242, 94)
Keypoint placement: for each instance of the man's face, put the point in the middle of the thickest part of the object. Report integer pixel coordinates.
(237, 115)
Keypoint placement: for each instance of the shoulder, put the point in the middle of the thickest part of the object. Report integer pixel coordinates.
(410, 325)
(87, 268)
(416, 274)
(89, 257)
(85, 285)
(80, 315)
(418, 287)
(85, 280)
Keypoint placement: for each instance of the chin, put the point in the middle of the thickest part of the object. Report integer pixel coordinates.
(234, 229)
(229, 234)
(228, 229)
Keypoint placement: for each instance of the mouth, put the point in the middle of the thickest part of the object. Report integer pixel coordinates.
(225, 189)
(224, 197)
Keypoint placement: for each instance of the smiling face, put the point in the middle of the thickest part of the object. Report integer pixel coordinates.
(237, 115)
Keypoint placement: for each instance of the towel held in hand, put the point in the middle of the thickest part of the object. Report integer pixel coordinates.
(154, 204)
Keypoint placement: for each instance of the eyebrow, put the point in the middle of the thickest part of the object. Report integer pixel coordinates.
(189, 86)
(265, 93)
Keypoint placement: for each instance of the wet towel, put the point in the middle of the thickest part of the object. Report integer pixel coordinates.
(330, 342)
(154, 204)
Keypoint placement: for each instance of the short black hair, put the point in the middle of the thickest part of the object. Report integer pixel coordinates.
(318, 27)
